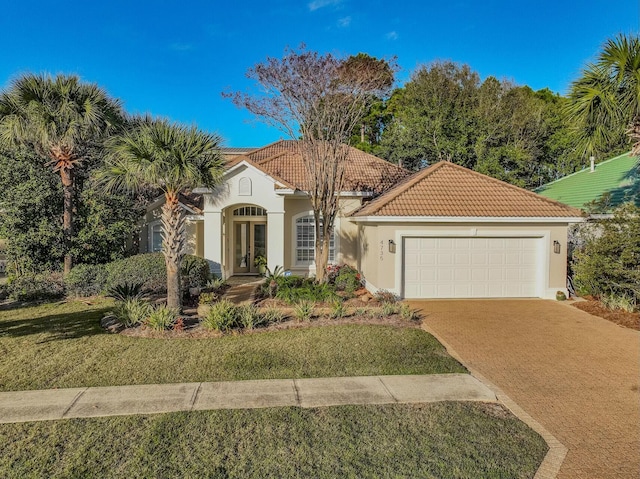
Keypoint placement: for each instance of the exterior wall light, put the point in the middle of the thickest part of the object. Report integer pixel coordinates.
(392, 246)
(556, 246)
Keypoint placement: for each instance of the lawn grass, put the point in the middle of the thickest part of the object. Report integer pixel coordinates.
(62, 345)
(443, 440)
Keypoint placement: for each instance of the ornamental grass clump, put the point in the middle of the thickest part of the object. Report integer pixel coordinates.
(162, 318)
(132, 312)
(303, 311)
(222, 316)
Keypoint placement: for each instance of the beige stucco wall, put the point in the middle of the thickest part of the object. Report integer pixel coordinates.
(194, 231)
(380, 267)
(346, 231)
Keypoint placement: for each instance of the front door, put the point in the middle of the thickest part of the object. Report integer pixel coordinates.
(250, 241)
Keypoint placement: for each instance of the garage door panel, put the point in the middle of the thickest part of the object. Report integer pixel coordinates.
(471, 267)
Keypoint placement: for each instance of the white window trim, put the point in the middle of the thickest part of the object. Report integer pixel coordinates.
(151, 225)
(311, 266)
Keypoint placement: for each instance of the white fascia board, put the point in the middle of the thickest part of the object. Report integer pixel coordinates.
(232, 170)
(464, 219)
(348, 194)
(194, 218)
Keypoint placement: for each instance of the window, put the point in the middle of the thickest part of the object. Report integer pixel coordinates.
(155, 243)
(305, 241)
(244, 187)
(250, 211)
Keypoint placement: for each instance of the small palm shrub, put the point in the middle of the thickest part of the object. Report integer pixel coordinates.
(161, 318)
(195, 272)
(294, 289)
(86, 280)
(132, 312)
(222, 316)
(303, 311)
(122, 292)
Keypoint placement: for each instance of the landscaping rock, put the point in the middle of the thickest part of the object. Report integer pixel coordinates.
(111, 324)
(365, 298)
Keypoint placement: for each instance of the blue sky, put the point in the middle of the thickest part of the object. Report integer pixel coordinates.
(174, 58)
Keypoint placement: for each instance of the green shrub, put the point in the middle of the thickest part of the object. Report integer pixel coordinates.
(208, 298)
(150, 270)
(162, 318)
(608, 261)
(222, 316)
(384, 296)
(338, 310)
(86, 279)
(195, 272)
(132, 312)
(345, 278)
(38, 286)
(293, 289)
(122, 292)
(303, 311)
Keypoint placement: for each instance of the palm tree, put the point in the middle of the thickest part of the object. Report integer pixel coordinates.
(605, 101)
(171, 158)
(60, 118)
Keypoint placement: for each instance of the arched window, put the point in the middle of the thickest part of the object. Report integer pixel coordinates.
(306, 241)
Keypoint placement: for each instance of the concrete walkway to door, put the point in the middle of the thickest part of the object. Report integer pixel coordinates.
(575, 374)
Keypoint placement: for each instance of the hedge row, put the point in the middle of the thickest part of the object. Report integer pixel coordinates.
(88, 280)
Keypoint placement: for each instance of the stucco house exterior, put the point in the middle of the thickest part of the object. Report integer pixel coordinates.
(444, 232)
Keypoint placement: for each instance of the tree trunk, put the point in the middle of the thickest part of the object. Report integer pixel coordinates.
(322, 253)
(173, 226)
(66, 174)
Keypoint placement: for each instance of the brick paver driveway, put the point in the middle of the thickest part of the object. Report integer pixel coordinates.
(575, 374)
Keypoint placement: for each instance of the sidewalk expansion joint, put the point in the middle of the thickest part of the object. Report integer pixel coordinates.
(395, 399)
(74, 402)
(194, 396)
(295, 388)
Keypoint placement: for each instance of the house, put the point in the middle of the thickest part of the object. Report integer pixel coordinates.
(599, 188)
(444, 232)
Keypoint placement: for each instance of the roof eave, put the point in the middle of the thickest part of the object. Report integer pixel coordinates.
(467, 219)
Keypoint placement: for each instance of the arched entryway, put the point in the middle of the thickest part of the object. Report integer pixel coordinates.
(248, 239)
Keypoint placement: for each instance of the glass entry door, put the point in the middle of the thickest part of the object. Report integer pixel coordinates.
(250, 241)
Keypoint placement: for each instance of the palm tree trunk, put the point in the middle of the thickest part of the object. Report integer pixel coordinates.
(66, 174)
(173, 226)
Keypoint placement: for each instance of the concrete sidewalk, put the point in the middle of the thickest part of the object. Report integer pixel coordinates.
(42, 405)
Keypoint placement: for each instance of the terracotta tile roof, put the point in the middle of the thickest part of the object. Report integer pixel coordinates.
(363, 172)
(446, 189)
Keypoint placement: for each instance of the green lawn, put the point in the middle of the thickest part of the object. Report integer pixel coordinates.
(62, 345)
(445, 440)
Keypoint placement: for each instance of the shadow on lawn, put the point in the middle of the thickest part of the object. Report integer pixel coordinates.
(55, 327)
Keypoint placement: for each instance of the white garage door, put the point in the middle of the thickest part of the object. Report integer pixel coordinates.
(471, 267)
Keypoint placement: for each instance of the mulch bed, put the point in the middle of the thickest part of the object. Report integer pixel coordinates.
(622, 318)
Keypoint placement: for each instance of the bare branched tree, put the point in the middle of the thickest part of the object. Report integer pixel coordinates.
(319, 100)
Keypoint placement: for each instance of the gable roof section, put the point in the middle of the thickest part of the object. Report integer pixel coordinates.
(363, 172)
(617, 176)
(449, 190)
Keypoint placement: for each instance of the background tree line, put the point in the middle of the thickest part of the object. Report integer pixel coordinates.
(510, 132)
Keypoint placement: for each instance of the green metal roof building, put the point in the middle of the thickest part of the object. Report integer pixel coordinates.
(618, 178)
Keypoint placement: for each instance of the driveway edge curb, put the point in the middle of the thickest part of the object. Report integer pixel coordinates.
(554, 458)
